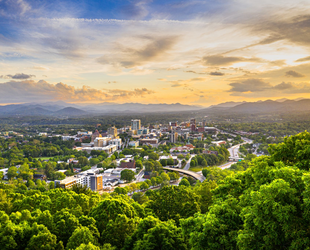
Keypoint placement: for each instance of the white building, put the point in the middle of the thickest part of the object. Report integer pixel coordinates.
(116, 142)
(108, 149)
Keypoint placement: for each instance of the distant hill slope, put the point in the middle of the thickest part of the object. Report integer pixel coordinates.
(69, 111)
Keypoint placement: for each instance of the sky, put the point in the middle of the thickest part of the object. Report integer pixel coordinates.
(191, 52)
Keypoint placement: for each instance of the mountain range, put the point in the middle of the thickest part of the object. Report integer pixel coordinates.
(63, 109)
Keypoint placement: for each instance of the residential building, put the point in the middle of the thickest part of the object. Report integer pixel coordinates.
(129, 164)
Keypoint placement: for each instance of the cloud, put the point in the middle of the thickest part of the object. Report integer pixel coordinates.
(186, 83)
(295, 29)
(219, 60)
(29, 90)
(261, 88)
(249, 85)
(134, 10)
(18, 76)
(129, 57)
(40, 68)
(293, 73)
(216, 73)
(304, 59)
(283, 86)
(14, 8)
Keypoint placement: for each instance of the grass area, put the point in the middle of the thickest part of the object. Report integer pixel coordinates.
(43, 158)
(196, 169)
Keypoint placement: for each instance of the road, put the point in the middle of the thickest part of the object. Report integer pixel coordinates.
(234, 152)
(188, 163)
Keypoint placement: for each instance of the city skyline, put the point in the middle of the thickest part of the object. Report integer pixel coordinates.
(189, 52)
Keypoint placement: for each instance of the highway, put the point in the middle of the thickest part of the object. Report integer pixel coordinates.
(188, 163)
(234, 152)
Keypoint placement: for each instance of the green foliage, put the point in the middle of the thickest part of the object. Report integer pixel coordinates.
(127, 175)
(259, 203)
(173, 202)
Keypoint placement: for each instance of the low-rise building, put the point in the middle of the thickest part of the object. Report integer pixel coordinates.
(110, 149)
(133, 144)
(117, 142)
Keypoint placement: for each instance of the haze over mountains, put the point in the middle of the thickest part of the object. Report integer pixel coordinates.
(63, 109)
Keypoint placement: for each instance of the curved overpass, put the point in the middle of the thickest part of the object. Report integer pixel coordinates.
(187, 172)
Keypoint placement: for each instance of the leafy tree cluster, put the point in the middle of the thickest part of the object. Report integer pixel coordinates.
(205, 160)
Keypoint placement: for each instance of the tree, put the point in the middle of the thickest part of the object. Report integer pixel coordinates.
(12, 173)
(109, 209)
(144, 186)
(139, 164)
(165, 177)
(154, 182)
(80, 236)
(154, 234)
(163, 162)
(184, 182)
(118, 230)
(139, 197)
(192, 163)
(59, 176)
(148, 182)
(83, 161)
(173, 176)
(127, 175)
(170, 162)
(153, 156)
(90, 246)
(43, 240)
(173, 202)
(65, 223)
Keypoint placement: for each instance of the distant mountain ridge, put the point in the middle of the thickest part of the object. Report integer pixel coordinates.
(62, 109)
(268, 106)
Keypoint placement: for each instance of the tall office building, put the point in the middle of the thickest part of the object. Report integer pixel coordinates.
(204, 123)
(192, 121)
(135, 124)
(112, 131)
(173, 137)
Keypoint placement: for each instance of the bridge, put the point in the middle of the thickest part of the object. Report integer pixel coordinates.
(235, 159)
(187, 172)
